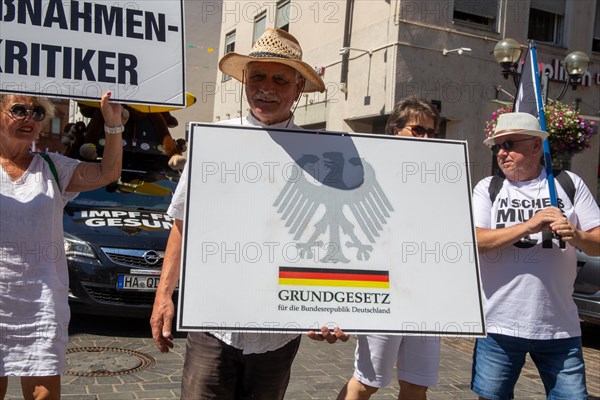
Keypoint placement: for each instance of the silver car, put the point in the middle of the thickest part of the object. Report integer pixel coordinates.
(587, 287)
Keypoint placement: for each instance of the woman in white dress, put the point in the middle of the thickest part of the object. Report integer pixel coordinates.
(34, 310)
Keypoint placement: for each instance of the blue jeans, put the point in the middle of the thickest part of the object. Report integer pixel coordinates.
(498, 360)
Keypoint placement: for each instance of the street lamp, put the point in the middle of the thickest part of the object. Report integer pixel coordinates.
(346, 50)
(576, 64)
(508, 53)
(459, 51)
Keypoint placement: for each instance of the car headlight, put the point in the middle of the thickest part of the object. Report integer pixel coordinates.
(75, 247)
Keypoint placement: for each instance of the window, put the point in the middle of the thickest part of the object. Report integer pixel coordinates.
(230, 42)
(229, 47)
(479, 13)
(282, 19)
(546, 21)
(319, 126)
(596, 41)
(55, 127)
(259, 26)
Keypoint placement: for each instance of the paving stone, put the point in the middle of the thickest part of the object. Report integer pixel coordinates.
(117, 396)
(157, 394)
(109, 380)
(131, 378)
(83, 380)
(73, 389)
(129, 387)
(98, 389)
(159, 386)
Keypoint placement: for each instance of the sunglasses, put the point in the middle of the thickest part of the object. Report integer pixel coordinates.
(20, 112)
(508, 145)
(421, 131)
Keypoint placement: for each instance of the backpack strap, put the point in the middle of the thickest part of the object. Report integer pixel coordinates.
(563, 179)
(566, 183)
(495, 186)
(46, 157)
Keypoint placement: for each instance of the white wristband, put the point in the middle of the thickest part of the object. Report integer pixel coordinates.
(113, 130)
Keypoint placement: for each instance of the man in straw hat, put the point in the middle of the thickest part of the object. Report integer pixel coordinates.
(528, 267)
(225, 365)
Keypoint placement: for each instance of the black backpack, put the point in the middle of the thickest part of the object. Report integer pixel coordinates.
(564, 180)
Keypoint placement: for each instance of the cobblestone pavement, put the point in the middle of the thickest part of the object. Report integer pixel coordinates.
(319, 371)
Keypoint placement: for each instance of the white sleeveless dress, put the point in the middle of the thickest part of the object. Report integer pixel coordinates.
(34, 281)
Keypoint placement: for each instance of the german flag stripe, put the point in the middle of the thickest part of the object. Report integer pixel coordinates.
(333, 271)
(333, 276)
(333, 282)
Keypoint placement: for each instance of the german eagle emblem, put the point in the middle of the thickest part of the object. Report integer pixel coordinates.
(318, 195)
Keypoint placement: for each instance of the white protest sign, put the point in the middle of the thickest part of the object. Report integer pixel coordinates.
(286, 231)
(81, 49)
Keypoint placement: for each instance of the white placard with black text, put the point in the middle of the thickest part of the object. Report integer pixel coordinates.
(82, 49)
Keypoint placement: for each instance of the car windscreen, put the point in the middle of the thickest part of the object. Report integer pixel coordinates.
(134, 189)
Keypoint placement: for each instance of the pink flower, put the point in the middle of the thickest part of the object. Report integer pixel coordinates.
(569, 132)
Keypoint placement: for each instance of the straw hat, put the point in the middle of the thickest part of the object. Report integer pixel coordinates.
(277, 46)
(516, 123)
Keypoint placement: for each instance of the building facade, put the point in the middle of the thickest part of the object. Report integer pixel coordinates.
(372, 53)
(202, 35)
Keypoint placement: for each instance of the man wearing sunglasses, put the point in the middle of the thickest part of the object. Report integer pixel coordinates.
(416, 358)
(528, 267)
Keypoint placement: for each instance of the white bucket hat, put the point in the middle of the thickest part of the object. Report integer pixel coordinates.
(516, 123)
(276, 46)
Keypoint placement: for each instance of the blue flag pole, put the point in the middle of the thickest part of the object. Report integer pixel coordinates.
(542, 119)
(531, 71)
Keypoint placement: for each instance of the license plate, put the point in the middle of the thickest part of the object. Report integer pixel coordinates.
(137, 282)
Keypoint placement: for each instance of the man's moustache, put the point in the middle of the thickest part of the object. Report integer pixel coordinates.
(265, 98)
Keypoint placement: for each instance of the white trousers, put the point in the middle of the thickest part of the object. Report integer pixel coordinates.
(417, 359)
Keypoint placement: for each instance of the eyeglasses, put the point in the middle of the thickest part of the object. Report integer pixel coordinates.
(21, 112)
(508, 145)
(421, 131)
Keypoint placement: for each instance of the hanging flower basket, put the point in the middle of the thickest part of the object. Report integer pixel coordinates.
(568, 133)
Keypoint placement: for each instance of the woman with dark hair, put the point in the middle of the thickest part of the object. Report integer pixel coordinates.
(414, 116)
(416, 358)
